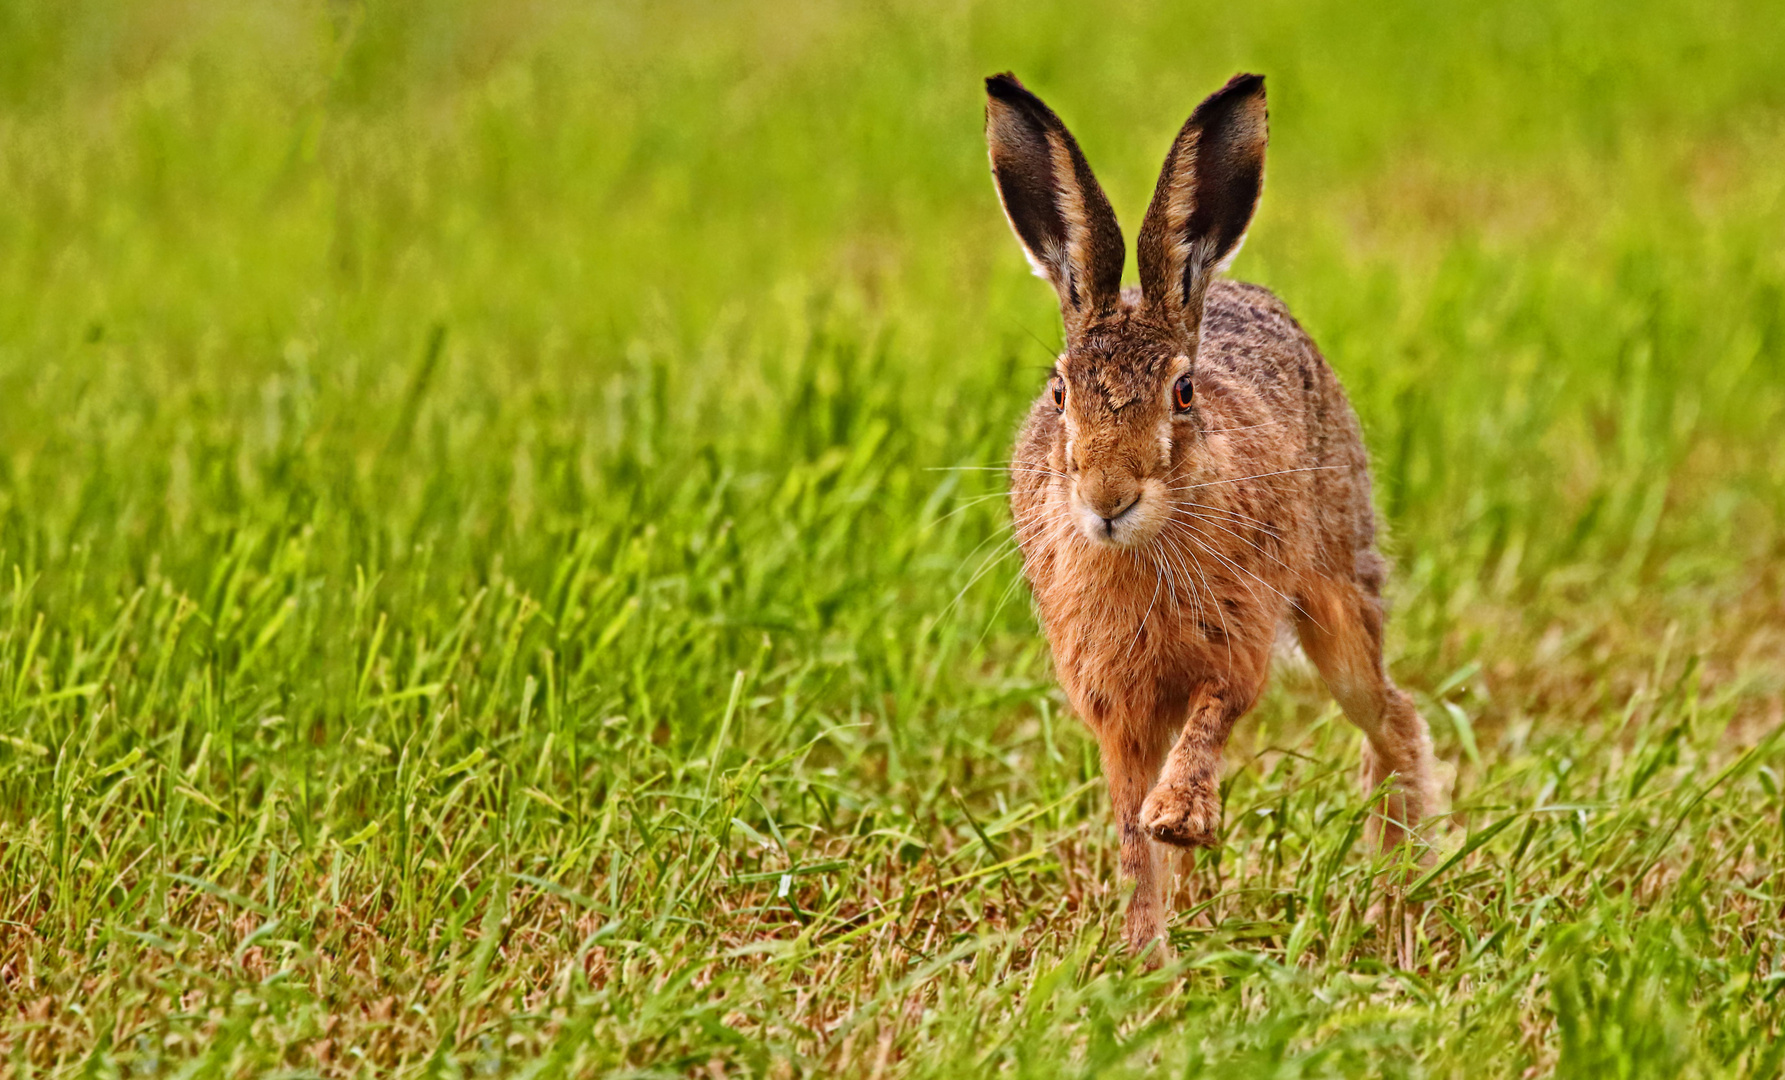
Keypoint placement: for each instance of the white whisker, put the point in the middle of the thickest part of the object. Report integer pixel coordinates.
(1158, 581)
(1285, 598)
(1216, 601)
(1246, 427)
(1261, 476)
(1253, 544)
(1264, 525)
(969, 504)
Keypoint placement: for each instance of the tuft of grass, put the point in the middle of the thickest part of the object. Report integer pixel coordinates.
(502, 567)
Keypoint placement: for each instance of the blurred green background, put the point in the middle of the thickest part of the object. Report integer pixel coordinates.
(501, 556)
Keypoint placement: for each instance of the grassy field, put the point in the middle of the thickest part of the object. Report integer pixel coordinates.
(502, 567)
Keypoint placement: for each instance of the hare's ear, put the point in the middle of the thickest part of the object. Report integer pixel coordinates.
(1053, 202)
(1204, 202)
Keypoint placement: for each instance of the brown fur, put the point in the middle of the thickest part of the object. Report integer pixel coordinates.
(1165, 547)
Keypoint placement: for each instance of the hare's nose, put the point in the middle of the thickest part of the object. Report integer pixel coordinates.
(1110, 518)
(1107, 500)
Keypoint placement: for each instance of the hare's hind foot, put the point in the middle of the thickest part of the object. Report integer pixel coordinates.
(1184, 813)
(1410, 797)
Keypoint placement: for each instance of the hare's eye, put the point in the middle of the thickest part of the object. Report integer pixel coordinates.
(1182, 392)
(1057, 387)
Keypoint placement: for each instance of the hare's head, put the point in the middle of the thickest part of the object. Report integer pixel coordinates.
(1127, 430)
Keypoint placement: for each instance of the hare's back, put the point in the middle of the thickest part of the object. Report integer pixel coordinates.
(1266, 370)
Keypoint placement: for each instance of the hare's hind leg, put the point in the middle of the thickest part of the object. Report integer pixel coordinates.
(1340, 626)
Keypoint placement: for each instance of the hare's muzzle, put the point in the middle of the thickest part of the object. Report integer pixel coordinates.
(1113, 508)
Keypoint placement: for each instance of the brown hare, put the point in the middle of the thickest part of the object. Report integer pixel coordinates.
(1191, 478)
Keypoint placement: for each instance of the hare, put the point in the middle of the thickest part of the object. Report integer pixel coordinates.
(1191, 478)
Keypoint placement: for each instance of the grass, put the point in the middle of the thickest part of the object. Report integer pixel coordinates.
(501, 568)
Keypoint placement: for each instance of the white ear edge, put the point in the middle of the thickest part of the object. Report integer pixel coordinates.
(1221, 267)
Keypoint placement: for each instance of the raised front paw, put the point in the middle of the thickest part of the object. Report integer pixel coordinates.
(1184, 815)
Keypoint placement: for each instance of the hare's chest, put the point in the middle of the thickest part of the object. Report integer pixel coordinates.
(1120, 645)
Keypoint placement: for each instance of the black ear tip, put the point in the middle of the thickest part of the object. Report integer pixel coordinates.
(1245, 84)
(1005, 87)
(1239, 89)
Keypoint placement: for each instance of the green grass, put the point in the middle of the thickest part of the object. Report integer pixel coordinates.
(494, 577)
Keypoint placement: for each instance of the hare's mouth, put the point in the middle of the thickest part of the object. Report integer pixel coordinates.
(1126, 525)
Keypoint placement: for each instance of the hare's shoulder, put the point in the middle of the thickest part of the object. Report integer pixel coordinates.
(1248, 333)
(1240, 316)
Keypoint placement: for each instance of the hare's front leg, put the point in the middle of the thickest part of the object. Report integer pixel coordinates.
(1130, 762)
(1184, 808)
